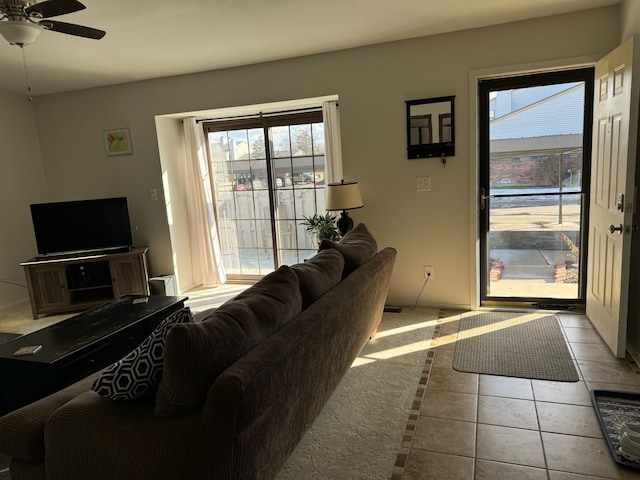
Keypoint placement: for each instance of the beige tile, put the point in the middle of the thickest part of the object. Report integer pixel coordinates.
(575, 393)
(579, 321)
(445, 436)
(445, 341)
(506, 387)
(509, 445)
(612, 372)
(443, 358)
(591, 351)
(452, 405)
(582, 335)
(450, 380)
(451, 315)
(572, 476)
(587, 456)
(488, 470)
(423, 465)
(450, 327)
(508, 412)
(593, 385)
(569, 419)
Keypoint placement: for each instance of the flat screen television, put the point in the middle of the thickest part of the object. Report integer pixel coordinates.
(82, 226)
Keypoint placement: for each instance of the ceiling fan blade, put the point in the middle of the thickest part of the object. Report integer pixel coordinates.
(53, 8)
(73, 29)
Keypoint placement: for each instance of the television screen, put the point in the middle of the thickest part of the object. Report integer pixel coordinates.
(81, 226)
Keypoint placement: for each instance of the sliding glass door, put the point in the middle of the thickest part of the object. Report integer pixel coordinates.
(267, 174)
(535, 139)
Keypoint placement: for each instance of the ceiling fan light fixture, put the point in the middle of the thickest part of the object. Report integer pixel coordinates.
(20, 33)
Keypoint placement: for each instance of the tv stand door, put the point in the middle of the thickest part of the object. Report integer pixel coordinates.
(129, 275)
(48, 287)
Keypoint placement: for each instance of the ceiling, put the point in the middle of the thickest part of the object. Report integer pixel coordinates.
(156, 38)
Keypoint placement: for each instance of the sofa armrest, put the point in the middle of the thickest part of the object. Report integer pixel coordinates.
(127, 437)
(22, 431)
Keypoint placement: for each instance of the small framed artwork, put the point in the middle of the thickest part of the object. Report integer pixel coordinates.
(118, 142)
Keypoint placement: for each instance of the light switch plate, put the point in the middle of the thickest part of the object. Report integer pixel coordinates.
(423, 184)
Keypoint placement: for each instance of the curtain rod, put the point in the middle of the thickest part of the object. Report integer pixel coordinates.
(262, 114)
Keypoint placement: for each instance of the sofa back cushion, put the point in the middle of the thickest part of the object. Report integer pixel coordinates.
(319, 274)
(357, 247)
(195, 354)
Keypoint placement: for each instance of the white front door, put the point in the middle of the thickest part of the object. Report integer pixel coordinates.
(615, 132)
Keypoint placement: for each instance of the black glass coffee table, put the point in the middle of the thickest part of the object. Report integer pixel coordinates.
(77, 347)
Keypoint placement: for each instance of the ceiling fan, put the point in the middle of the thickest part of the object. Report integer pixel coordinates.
(22, 21)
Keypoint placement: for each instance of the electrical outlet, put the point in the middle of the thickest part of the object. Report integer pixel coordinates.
(153, 193)
(429, 272)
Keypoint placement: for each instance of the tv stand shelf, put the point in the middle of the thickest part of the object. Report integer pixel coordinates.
(60, 285)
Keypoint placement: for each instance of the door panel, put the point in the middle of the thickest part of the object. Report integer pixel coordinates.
(612, 188)
(601, 150)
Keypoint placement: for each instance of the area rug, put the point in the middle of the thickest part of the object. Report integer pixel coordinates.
(514, 345)
(358, 433)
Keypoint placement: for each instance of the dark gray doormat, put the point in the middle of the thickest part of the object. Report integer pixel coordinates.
(613, 409)
(525, 345)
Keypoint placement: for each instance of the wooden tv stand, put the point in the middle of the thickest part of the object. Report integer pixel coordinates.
(60, 285)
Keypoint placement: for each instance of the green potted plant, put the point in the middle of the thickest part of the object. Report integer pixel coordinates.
(321, 227)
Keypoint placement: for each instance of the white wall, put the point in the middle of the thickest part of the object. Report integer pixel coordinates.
(629, 19)
(22, 182)
(172, 157)
(372, 83)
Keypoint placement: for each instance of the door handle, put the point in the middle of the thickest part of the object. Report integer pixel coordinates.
(614, 229)
(483, 199)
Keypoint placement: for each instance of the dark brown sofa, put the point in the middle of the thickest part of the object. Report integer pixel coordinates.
(215, 416)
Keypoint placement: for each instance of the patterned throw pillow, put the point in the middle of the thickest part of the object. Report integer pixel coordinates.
(138, 374)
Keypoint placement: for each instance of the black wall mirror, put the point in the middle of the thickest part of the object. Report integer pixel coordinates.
(431, 127)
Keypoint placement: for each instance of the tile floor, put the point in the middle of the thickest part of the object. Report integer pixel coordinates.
(481, 427)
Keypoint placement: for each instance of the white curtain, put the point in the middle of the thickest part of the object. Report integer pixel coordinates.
(332, 141)
(206, 255)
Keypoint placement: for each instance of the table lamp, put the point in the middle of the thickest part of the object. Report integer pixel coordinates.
(343, 196)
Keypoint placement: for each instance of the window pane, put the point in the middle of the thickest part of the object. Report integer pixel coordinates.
(285, 208)
(261, 201)
(256, 142)
(218, 146)
(283, 172)
(259, 175)
(317, 130)
(305, 203)
(301, 140)
(238, 145)
(280, 141)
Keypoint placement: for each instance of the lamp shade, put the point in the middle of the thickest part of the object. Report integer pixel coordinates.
(343, 196)
(20, 33)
